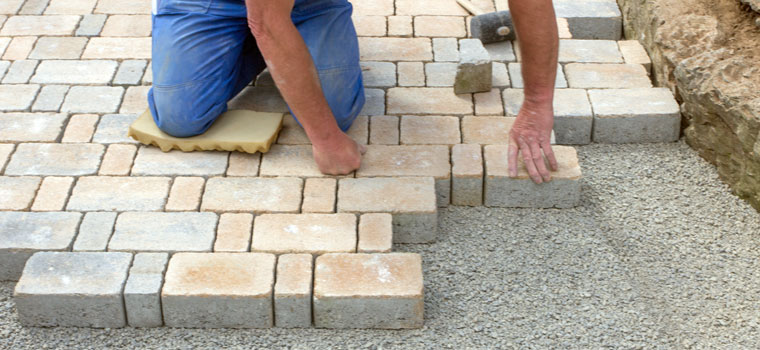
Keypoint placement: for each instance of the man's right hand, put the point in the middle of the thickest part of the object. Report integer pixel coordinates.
(338, 155)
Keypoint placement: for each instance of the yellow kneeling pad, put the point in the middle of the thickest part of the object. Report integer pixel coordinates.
(235, 130)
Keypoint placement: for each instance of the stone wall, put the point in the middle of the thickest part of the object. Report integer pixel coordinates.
(708, 54)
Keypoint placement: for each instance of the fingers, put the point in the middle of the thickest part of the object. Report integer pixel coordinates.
(512, 152)
(538, 161)
(530, 165)
(549, 154)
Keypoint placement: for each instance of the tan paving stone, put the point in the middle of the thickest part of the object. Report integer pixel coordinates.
(589, 51)
(292, 291)
(17, 97)
(116, 7)
(375, 233)
(359, 130)
(80, 128)
(384, 130)
(234, 232)
(118, 48)
(127, 25)
(19, 48)
(53, 194)
(440, 73)
(634, 53)
(258, 195)
(185, 194)
(428, 101)
(70, 7)
(439, 26)
(486, 130)
(429, 130)
(400, 26)
(606, 76)
(395, 49)
(441, 8)
(118, 160)
(373, 7)
(55, 159)
(135, 100)
(74, 72)
(243, 164)
(58, 48)
(411, 74)
(34, 127)
(370, 25)
(467, 175)
(368, 291)
(4, 42)
(304, 233)
(17, 193)
(106, 193)
(319, 195)
(489, 103)
(40, 25)
(289, 160)
(219, 290)
(152, 161)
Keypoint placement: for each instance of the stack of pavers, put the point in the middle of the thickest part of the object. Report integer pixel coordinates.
(103, 233)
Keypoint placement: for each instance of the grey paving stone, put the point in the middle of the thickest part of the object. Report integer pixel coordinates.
(591, 19)
(93, 99)
(148, 77)
(573, 118)
(589, 51)
(17, 97)
(51, 47)
(149, 263)
(635, 115)
(91, 25)
(105, 193)
(606, 76)
(515, 75)
(142, 294)
(500, 75)
(94, 232)
(55, 159)
(23, 233)
(375, 102)
(164, 232)
(20, 71)
(379, 74)
(81, 289)
(33, 7)
(446, 49)
(153, 161)
(440, 73)
(32, 127)
(501, 51)
(130, 72)
(74, 72)
(50, 98)
(474, 72)
(18, 192)
(113, 128)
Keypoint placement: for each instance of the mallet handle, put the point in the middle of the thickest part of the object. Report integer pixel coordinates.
(470, 7)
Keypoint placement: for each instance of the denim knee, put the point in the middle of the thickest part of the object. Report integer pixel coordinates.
(182, 115)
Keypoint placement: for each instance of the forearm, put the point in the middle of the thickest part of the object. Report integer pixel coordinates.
(536, 27)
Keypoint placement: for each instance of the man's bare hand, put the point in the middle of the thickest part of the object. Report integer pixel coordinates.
(340, 155)
(530, 135)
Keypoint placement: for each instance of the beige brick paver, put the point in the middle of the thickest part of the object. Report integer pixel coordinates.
(117, 48)
(118, 160)
(106, 193)
(319, 196)
(375, 233)
(19, 48)
(304, 233)
(439, 26)
(243, 164)
(185, 194)
(400, 26)
(429, 130)
(127, 26)
(258, 195)
(40, 25)
(17, 193)
(234, 232)
(53, 194)
(395, 49)
(384, 130)
(80, 128)
(428, 101)
(70, 7)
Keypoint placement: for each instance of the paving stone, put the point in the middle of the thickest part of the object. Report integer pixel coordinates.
(440, 73)
(164, 232)
(58, 48)
(219, 290)
(500, 75)
(429, 130)
(20, 71)
(19, 48)
(373, 7)
(40, 25)
(375, 233)
(446, 49)
(319, 196)
(23, 127)
(4, 65)
(289, 160)
(591, 19)
(148, 77)
(243, 164)
(292, 292)
(142, 293)
(439, 26)
(573, 118)
(606, 76)
(563, 191)
(4, 42)
(17, 97)
(381, 160)
(118, 48)
(395, 49)
(127, 26)
(70, 7)
(634, 53)
(33, 7)
(113, 128)
(515, 75)
(379, 74)
(55, 159)
(92, 99)
(234, 232)
(635, 115)
(50, 98)
(411, 201)
(52, 194)
(411, 74)
(24, 233)
(258, 195)
(384, 130)
(10, 7)
(563, 29)
(82, 289)
(589, 51)
(489, 103)
(135, 100)
(185, 194)
(105, 193)
(441, 8)
(80, 128)
(467, 175)
(74, 72)
(119, 7)
(292, 133)
(368, 291)
(304, 233)
(130, 72)
(118, 160)
(400, 26)
(95, 232)
(370, 25)
(5, 153)
(375, 102)
(153, 161)
(17, 193)
(91, 25)
(484, 130)
(501, 51)
(428, 101)
(474, 71)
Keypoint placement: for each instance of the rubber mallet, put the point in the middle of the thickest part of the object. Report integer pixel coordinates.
(489, 27)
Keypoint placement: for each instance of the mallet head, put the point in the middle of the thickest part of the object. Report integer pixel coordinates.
(493, 27)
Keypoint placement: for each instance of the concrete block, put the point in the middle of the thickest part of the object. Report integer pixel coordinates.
(591, 19)
(80, 289)
(411, 201)
(375, 233)
(563, 191)
(304, 233)
(55, 159)
(219, 290)
(635, 115)
(258, 195)
(292, 292)
(573, 118)
(142, 294)
(446, 49)
(474, 72)
(164, 232)
(368, 291)
(467, 175)
(606, 76)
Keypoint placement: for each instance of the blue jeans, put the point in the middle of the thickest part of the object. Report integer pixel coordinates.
(204, 54)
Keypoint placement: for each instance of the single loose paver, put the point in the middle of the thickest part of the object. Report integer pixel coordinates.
(635, 115)
(474, 71)
(292, 292)
(304, 233)
(258, 195)
(55, 159)
(164, 232)
(591, 19)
